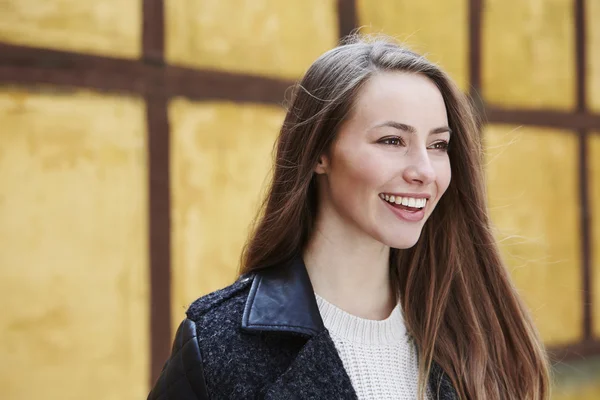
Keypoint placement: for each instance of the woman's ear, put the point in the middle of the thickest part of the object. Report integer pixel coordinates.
(322, 165)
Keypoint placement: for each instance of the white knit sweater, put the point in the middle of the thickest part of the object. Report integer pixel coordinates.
(379, 356)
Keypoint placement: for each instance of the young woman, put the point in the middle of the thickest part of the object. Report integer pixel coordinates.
(371, 272)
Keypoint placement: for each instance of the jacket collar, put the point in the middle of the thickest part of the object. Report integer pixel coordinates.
(282, 299)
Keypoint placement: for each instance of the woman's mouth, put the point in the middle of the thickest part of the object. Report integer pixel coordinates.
(406, 208)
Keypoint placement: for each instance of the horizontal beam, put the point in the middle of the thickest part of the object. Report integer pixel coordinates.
(575, 121)
(217, 85)
(36, 66)
(574, 352)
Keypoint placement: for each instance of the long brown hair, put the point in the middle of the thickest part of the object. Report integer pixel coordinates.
(459, 303)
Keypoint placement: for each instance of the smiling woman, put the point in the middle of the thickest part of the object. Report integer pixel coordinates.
(371, 272)
(393, 143)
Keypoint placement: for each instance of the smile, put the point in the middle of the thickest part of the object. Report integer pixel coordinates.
(409, 202)
(406, 208)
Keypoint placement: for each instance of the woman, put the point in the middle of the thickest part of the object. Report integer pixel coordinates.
(372, 272)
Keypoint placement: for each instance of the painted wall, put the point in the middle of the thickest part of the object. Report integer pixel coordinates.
(73, 264)
(73, 172)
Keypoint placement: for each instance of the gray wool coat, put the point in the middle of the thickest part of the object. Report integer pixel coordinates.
(261, 338)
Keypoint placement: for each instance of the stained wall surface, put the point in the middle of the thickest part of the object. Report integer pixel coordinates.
(221, 159)
(267, 37)
(523, 53)
(109, 27)
(592, 9)
(531, 173)
(73, 265)
(440, 31)
(594, 177)
(74, 169)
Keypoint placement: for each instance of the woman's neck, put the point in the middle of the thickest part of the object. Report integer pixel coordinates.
(350, 272)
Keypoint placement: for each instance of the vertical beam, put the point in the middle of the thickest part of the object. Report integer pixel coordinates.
(585, 215)
(159, 189)
(347, 18)
(153, 31)
(580, 54)
(475, 33)
(160, 233)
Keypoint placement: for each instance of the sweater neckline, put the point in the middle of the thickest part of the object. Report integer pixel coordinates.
(347, 326)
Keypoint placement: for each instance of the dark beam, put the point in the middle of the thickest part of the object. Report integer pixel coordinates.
(586, 248)
(159, 190)
(347, 17)
(580, 55)
(33, 66)
(578, 351)
(219, 85)
(475, 34)
(153, 32)
(545, 118)
(159, 232)
(585, 213)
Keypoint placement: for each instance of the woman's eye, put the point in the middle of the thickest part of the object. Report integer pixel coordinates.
(392, 141)
(443, 145)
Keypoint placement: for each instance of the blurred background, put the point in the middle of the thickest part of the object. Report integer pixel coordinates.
(135, 142)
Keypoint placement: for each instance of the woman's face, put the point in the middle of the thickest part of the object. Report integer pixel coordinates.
(388, 166)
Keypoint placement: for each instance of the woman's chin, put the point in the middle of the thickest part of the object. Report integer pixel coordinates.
(404, 246)
(406, 242)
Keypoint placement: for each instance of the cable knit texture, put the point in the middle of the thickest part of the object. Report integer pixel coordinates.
(379, 356)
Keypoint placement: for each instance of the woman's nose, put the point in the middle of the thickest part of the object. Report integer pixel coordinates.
(420, 170)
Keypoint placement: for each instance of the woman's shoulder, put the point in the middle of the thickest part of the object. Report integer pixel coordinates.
(221, 304)
(203, 343)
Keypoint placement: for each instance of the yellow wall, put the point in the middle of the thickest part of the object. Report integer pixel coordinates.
(221, 157)
(73, 172)
(532, 177)
(585, 391)
(578, 381)
(594, 179)
(436, 28)
(73, 265)
(268, 37)
(108, 27)
(528, 50)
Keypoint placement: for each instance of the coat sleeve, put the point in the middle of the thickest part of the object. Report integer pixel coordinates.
(182, 377)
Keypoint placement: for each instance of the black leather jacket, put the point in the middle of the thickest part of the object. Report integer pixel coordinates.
(261, 338)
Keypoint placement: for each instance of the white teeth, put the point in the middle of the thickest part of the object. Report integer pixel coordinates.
(405, 201)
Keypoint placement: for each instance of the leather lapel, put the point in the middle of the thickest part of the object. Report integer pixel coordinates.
(281, 299)
(317, 373)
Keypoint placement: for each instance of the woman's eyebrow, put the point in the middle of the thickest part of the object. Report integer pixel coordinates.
(411, 129)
